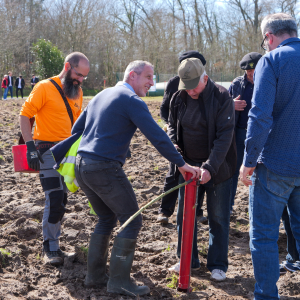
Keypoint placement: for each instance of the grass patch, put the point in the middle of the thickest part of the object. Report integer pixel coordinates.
(85, 250)
(203, 250)
(38, 256)
(173, 281)
(5, 253)
(199, 287)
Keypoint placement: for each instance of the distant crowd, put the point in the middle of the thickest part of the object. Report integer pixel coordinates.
(19, 84)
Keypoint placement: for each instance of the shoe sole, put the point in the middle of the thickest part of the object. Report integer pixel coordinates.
(290, 270)
(217, 280)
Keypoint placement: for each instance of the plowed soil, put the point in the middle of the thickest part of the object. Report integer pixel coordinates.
(24, 276)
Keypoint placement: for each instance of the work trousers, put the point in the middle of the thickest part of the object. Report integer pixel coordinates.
(55, 199)
(110, 194)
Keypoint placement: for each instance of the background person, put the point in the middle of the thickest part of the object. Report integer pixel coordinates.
(20, 83)
(241, 90)
(100, 175)
(168, 202)
(201, 124)
(272, 149)
(10, 84)
(33, 81)
(53, 124)
(4, 85)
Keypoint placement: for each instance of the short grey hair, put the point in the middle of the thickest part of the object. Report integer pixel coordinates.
(202, 76)
(279, 24)
(137, 66)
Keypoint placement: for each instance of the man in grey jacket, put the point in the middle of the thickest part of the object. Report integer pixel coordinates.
(201, 124)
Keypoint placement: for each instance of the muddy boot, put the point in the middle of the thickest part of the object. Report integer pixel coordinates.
(96, 261)
(119, 271)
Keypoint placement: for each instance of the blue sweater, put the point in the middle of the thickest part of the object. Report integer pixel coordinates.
(273, 135)
(109, 122)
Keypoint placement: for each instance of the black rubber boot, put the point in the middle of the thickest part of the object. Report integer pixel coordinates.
(119, 271)
(96, 261)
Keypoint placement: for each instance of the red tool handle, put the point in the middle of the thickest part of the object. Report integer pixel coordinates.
(188, 225)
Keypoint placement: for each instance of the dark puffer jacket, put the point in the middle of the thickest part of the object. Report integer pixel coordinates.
(219, 112)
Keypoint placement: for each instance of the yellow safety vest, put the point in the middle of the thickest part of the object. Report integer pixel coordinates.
(67, 167)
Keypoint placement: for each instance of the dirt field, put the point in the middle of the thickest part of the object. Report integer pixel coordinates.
(23, 275)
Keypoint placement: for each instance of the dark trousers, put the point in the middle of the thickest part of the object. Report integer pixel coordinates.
(168, 202)
(111, 195)
(293, 254)
(21, 90)
(218, 211)
(240, 136)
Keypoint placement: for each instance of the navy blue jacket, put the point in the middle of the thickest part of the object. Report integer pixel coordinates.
(109, 122)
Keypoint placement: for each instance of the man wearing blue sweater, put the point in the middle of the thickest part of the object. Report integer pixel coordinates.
(108, 123)
(272, 148)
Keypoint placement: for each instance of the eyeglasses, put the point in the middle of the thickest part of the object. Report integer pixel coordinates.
(78, 74)
(263, 46)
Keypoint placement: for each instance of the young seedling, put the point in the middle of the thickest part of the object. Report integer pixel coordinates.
(173, 283)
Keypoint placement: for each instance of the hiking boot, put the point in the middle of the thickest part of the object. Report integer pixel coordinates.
(218, 275)
(121, 260)
(292, 267)
(96, 261)
(52, 257)
(163, 219)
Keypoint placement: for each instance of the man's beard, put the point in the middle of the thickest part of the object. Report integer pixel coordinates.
(71, 91)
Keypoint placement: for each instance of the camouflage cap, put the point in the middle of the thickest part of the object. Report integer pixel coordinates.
(190, 71)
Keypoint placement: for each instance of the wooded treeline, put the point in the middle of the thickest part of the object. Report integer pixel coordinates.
(113, 33)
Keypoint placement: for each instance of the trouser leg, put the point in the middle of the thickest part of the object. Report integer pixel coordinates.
(17, 94)
(168, 202)
(292, 255)
(55, 201)
(269, 194)
(218, 211)
(110, 193)
(240, 136)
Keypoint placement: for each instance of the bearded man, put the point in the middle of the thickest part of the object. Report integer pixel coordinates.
(56, 104)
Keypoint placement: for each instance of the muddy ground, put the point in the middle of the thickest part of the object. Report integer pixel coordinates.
(24, 276)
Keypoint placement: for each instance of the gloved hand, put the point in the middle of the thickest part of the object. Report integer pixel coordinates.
(33, 156)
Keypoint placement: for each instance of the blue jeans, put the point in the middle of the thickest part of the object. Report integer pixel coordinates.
(240, 136)
(5, 93)
(293, 254)
(110, 194)
(218, 210)
(269, 195)
(10, 88)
